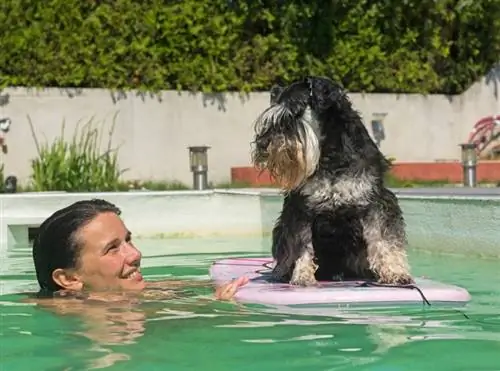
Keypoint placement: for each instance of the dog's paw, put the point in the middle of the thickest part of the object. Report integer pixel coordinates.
(304, 281)
(304, 273)
(396, 279)
(405, 280)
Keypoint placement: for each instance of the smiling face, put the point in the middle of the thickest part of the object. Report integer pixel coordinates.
(107, 259)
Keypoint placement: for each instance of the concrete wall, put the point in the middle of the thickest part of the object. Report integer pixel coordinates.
(154, 131)
(458, 221)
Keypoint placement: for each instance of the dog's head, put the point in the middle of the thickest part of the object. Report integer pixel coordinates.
(310, 123)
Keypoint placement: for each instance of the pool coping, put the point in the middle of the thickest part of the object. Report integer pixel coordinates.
(420, 192)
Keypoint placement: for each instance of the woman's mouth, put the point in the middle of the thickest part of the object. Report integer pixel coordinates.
(135, 275)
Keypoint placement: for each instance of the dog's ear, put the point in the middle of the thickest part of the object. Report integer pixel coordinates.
(325, 92)
(275, 93)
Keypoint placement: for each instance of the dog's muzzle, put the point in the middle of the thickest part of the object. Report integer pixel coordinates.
(285, 146)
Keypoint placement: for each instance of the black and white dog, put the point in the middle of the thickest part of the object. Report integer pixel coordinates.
(338, 220)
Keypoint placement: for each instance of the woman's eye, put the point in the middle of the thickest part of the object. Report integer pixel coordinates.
(113, 248)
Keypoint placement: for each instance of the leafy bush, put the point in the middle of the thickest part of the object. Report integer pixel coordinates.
(247, 45)
(78, 165)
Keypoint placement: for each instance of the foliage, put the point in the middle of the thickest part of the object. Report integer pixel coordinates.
(78, 165)
(243, 45)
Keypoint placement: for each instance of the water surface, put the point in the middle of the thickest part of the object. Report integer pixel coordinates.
(193, 332)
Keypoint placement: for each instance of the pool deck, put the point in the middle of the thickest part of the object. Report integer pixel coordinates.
(430, 192)
(450, 192)
(421, 192)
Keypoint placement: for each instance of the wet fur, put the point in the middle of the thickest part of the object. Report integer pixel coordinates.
(338, 220)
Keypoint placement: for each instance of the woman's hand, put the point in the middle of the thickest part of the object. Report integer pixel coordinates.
(227, 291)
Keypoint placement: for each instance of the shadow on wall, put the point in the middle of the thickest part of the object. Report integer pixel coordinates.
(119, 95)
(115, 95)
(68, 92)
(493, 77)
(218, 99)
(4, 99)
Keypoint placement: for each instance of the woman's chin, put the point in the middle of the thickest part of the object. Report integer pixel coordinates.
(134, 283)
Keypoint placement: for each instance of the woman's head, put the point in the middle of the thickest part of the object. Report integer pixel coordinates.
(87, 246)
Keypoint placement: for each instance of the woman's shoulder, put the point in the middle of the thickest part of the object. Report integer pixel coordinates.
(54, 299)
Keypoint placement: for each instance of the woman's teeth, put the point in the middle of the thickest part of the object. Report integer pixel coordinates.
(132, 275)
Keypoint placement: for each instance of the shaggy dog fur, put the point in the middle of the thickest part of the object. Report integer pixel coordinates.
(338, 220)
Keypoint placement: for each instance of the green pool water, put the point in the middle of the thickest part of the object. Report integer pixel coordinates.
(192, 333)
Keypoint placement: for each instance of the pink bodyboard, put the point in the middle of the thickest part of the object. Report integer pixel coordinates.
(263, 290)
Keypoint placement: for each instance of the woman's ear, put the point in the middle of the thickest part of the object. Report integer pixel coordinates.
(67, 279)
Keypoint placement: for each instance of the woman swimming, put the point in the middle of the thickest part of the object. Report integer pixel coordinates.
(86, 250)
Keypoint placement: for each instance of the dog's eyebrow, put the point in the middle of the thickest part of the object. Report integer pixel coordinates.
(275, 93)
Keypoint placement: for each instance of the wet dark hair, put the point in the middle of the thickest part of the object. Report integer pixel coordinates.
(56, 245)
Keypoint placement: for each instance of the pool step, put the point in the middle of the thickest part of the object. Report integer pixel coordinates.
(19, 230)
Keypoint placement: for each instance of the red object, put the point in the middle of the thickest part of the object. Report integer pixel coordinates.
(251, 176)
(484, 132)
(487, 171)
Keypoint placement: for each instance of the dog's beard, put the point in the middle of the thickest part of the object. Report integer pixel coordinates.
(288, 148)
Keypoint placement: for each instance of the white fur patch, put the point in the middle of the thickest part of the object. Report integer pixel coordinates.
(346, 190)
(386, 254)
(270, 117)
(305, 268)
(310, 140)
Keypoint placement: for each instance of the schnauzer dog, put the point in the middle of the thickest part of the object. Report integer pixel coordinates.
(338, 220)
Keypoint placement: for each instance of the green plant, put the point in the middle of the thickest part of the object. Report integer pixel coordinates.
(424, 46)
(78, 165)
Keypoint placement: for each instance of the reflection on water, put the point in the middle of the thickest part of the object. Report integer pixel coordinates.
(191, 331)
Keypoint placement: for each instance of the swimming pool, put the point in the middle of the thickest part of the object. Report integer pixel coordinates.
(183, 334)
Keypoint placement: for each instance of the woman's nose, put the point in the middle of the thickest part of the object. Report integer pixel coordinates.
(132, 254)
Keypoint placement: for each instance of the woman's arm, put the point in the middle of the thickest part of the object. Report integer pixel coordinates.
(223, 292)
(174, 284)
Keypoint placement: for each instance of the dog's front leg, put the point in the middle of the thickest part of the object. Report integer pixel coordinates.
(293, 249)
(386, 253)
(305, 268)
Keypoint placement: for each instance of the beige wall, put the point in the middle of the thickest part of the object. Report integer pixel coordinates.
(154, 131)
